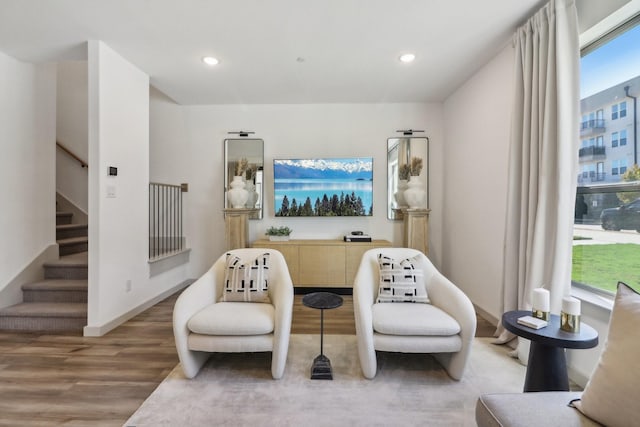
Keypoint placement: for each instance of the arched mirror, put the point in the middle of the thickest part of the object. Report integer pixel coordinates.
(244, 168)
(406, 157)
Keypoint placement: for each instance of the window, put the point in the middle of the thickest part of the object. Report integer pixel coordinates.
(600, 141)
(623, 167)
(619, 110)
(604, 212)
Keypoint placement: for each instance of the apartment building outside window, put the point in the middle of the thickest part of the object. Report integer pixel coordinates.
(619, 111)
(606, 227)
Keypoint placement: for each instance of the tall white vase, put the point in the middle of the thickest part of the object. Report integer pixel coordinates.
(399, 195)
(252, 194)
(415, 195)
(237, 195)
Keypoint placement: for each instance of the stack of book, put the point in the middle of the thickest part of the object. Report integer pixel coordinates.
(532, 322)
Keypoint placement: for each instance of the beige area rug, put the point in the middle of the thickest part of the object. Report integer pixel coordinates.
(408, 390)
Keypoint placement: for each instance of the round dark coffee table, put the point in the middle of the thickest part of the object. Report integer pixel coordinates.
(321, 368)
(547, 365)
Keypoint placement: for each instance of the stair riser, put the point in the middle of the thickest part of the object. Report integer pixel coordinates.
(73, 248)
(54, 296)
(63, 218)
(72, 232)
(66, 272)
(26, 323)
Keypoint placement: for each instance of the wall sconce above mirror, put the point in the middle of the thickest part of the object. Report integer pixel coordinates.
(244, 170)
(407, 169)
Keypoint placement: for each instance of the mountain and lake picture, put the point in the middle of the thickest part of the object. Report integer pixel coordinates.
(323, 187)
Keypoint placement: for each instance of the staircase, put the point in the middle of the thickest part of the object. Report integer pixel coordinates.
(59, 302)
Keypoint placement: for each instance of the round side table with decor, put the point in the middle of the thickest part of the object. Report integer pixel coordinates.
(321, 368)
(547, 365)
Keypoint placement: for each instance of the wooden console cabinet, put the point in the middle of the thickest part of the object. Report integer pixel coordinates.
(322, 263)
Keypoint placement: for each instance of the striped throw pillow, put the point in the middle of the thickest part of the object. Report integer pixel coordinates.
(246, 282)
(401, 281)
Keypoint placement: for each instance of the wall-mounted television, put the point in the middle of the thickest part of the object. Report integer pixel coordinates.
(323, 186)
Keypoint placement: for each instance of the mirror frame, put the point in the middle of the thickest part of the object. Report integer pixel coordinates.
(251, 149)
(399, 152)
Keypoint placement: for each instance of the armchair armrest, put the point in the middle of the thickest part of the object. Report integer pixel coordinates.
(198, 295)
(448, 297)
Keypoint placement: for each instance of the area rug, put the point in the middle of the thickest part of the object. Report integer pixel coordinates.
(408, 390)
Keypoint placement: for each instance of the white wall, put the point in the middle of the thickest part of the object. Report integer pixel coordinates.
(477, 123)
(27, 138)
(72, 132)
(321, 130)
(118, 238)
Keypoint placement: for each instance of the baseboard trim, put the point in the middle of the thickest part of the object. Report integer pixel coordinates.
(98, 331)
(486, 315)
(577, 377)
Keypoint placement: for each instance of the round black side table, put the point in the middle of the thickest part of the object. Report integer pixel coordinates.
(547, 365)
(321, 368)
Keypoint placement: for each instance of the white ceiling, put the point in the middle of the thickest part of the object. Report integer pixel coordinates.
(348, 48)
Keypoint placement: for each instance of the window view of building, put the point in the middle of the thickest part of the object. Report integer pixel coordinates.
(607, 212)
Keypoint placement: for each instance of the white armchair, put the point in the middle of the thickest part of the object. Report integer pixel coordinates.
(445, 327)
(234, 327)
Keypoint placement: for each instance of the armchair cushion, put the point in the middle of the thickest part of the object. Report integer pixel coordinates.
(247, 282)
(413, 319)
(401, 280)
(233, 318)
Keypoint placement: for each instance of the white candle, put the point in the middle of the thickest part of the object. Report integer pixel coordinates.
(540, 300)
(571, 305)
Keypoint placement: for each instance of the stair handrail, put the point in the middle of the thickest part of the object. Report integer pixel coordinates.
(72, 154)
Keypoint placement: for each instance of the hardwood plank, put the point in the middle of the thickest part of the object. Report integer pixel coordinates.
(67, 379)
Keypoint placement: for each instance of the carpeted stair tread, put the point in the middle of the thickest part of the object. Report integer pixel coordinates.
(63, 218)
(66, 231)
(73, 240)
(71, 226)
(57, 285)
(75, 260)
(46, 309)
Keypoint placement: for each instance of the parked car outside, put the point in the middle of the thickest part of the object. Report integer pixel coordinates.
(625, 217)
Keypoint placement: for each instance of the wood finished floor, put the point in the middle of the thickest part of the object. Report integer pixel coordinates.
(66, 379)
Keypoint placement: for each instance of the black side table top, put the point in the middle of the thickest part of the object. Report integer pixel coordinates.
(322, 300)
(551, 334)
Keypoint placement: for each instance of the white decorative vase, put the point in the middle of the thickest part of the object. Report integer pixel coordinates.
(279, 238)
(252, 197)
(415, 194)
(399, 195)
(237, 195)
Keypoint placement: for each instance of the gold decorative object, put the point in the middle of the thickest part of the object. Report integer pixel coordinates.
(570, 322)
(544, 315)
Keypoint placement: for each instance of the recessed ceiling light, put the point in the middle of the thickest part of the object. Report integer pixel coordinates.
(210, 60)
(407, 57)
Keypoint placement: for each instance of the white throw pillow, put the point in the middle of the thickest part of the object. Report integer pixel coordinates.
(400, 280)
(612, 393)
(246, 282)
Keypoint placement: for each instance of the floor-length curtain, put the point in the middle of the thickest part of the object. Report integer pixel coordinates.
(543, 159)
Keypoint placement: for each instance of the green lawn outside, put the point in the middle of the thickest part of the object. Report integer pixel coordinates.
(602, 266)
